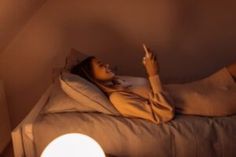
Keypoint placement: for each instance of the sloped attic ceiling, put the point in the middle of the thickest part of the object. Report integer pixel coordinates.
(13, 15)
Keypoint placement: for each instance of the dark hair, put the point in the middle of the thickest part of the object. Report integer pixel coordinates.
(84, 68)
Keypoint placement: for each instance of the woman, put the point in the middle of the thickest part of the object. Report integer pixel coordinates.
(157, 107)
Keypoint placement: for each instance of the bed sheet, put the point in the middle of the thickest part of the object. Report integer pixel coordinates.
(184, 136)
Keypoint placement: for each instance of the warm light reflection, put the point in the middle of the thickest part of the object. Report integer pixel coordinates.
(73, 145)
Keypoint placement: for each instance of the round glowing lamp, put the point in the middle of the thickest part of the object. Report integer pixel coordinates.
(73, 145)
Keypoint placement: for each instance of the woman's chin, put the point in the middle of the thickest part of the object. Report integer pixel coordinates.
(108, 78)
(112, 75)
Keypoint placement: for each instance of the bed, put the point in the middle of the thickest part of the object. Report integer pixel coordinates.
(60, 111)
(119, 136)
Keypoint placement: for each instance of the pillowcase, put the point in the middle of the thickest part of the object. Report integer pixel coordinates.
(65, 100)
(88, 98)
(59, 102)
(85, 93)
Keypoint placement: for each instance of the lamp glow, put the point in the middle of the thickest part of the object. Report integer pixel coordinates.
(73, 145)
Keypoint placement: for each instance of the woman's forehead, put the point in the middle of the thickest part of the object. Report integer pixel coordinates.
(96, 60)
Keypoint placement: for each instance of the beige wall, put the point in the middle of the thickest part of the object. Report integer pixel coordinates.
(191, 39)
(13, 15)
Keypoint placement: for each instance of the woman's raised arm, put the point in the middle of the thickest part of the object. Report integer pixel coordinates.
(157, 108)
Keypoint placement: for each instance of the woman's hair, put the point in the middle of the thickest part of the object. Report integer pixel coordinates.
(84, 70)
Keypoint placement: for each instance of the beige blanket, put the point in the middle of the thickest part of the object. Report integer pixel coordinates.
(185, 136)
(213, 96)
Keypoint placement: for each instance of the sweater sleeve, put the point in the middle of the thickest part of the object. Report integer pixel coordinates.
(156, 109)
(155, 83)
(160, 101)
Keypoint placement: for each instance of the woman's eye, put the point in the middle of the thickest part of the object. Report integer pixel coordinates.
(101, 65)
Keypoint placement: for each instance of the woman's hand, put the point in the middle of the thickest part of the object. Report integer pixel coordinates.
(151, 64)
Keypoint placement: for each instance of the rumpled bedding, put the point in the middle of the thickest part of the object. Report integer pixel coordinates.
(185, 136)
(214, 95)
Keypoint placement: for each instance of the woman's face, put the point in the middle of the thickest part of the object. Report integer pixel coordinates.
(101, 71)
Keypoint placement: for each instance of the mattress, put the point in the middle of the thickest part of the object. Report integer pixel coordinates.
(184, 136)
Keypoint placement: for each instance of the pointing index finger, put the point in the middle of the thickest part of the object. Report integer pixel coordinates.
(146, 50)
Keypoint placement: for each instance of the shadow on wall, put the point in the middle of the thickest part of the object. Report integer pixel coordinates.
(104, 40)
(202, 40)
(26, 65)
(13, 16)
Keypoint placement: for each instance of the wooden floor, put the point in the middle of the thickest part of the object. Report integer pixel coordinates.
(8, 152)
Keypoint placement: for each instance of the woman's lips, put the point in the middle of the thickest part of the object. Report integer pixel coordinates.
(108, 70)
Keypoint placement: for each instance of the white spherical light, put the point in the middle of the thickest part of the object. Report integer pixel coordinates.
(73, 145)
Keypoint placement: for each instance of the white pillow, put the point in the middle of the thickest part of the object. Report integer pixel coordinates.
(85, 93)
(59, 102)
